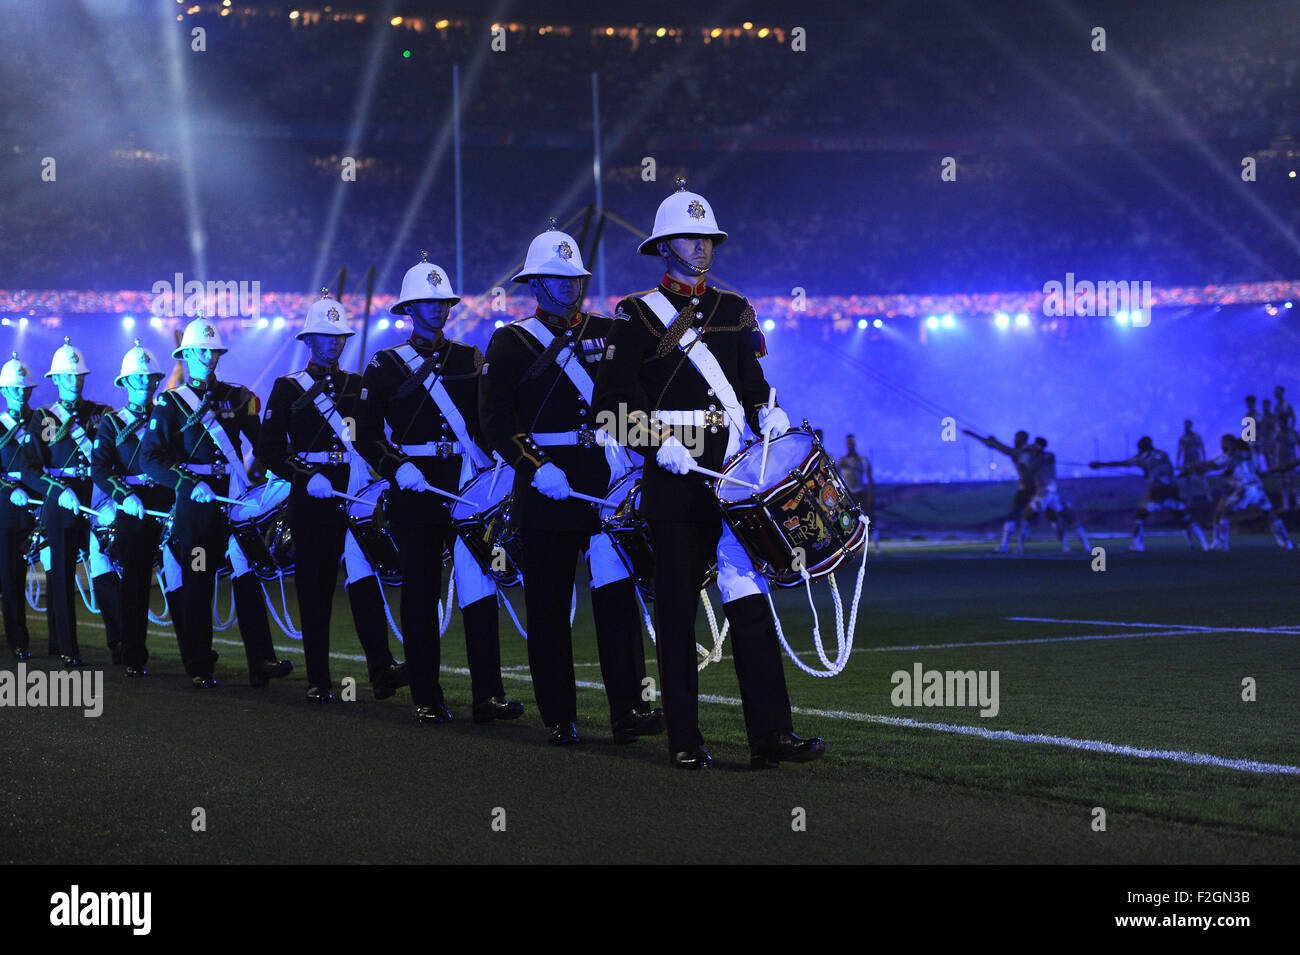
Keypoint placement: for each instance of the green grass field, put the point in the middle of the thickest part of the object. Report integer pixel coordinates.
(1149, 654)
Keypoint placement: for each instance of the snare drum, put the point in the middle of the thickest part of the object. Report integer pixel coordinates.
(369, 523)
(484, 523)
(628, 531)
(259, 522)
(802, 513)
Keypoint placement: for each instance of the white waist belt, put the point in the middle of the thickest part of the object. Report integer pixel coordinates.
(80, 471)
(695, 417)
(441, 449)
(207, 470)
(138, 479)
(587, 438)
(324, 457)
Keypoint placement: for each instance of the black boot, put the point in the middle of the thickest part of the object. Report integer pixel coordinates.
(366, 597)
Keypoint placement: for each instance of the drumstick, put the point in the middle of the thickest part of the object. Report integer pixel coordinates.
(723, 477)
(349, 497)
(594, 500)
(771, 403)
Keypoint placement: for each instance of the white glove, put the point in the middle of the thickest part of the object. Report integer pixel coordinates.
(318, 485)
(68, 500)
(202, 494)
(673, 456)
(409, 478)
(106, 515)
(774, 419)
(133, 506)
(550, 480)
(18, 497)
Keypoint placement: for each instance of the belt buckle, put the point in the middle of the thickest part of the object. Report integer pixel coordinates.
(444, 449)
(713, 418)
(338, 457)
(218, 469)
(81, 471)
(586, 438)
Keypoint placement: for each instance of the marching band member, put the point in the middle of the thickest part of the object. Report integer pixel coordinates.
(535, 405)
(118, 471)
(308, 436)
(16, 385)
(58, 465)
(691, 353)
(194, 445)
(426, 391)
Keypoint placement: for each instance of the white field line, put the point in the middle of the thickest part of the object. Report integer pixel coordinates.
(1067, 742)
(1180, 626)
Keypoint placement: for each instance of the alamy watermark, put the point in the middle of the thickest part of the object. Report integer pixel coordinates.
(1098, 298)
(214, 299)
(82, 689)
(923, 687)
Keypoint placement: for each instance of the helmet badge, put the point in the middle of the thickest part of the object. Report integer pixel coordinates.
(696, 209)
(565, 250)
(333, 314)
(434, 278)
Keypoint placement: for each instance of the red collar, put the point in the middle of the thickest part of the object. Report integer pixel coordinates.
(670, 284)
(317, 370)
(557, 321)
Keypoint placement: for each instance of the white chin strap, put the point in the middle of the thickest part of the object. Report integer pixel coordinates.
(568, 311)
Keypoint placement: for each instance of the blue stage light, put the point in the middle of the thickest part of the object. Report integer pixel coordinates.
(949, 321)
(1022, 320)
(878, 323)
(932, 322)
(862, 323)
(1002, 320)
(383, 323)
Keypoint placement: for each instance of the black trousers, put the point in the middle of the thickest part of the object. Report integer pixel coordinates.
(318, 552)
(65, 534)
(15, 528)
(199, 582)
(548, 561)
(683, 553)
(138, 540)
(419, 548)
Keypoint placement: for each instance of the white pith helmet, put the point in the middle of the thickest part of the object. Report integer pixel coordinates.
(553, 253)
(67, 360)
(424, 282)
(15, 374)
(138, 361)
(326, 317)
(200, 333)
(683, 213)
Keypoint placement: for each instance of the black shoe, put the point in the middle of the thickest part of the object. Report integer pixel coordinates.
(697, 758)
(70, 661)
(388, 680)
(436, 714)
(136, 672)
(317, 694)
(563, 734)
(22, 654)
(637, 723)
(785, 747)
(497, 708)
(262, 673)
(115, 649)
(208, 682)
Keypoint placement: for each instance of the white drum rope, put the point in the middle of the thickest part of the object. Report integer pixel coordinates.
(89, 602)
(843, 635)
(645, 615)
(217, 622)
(501, 593)
(445, 618)
(34, 588)
(388, 611)
(714, 655)
(285, 623)
(165, 617)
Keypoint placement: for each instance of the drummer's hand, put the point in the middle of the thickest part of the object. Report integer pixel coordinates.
(319, 486)
(673, 456)
(202, 494)
(19, 498)
(409, 478)
(550, 480)
(68, 500)
(773, 421)
(133, 506)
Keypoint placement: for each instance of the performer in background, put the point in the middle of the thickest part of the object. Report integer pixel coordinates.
(1049, 499)
(535, 405)
(118, 472)
(58, 466)
(682, 363)
(1162, 492)
(1020, 454)
(1191, 450)
(308, 436)
(1244, 491)
(425, 391)
(194, 445)
(16, 522)
(856, 472)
